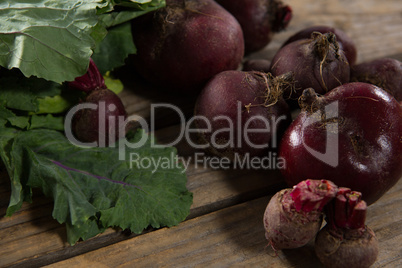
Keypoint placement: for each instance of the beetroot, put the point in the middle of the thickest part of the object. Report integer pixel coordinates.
(293, 216)
(259, 20)
(351, 136)
(99, 121)
(100, 125)
(239, 113)
(318, 63)
(259, 65)
(184, 44)
(346, 241)
(345, 42)
(385, 73)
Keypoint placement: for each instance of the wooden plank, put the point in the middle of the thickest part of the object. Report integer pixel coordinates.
(376, 27)
(235, 236)
(212, 190)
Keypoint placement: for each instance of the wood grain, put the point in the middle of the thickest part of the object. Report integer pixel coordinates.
(33, 225)
(224, 227)
(235, 236)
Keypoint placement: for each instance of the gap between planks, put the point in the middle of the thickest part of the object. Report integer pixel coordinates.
(235, 236)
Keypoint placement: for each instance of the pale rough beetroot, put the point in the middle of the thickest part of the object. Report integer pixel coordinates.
(183, 45)
(345, 42)
(385, 73)
(346, 241)
(346, 249)
(293, 217)
(259, 19)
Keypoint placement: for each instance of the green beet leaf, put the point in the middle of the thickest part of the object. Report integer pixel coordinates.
(114, 49)
(20, 93)
(118, 43)
(47, 121)
(131, 10)
(49, 39)
(92, 189)
(112, 83)
(35, 95)
(54, 39)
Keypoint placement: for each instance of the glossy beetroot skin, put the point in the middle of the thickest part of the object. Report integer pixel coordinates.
(259, 65)
(228, 102)
(259, 19)
(293, 216)
(183, 45)
(318, 63)
(385, 73)
(367, 157)
(85, 123)
(345, 42)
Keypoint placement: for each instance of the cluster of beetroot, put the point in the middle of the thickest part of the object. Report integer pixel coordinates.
(294, 217)
(350, 121)
(348, 129)
(349, 126)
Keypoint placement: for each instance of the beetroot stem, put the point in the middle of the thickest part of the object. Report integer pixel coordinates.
(347, 211)
(358, 217)
(340, 211)
(91, 80)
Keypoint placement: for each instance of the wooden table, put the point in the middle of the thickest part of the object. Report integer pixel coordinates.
(224, 227)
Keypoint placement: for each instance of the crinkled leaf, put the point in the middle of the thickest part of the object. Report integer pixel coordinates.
(47, 121)
(19, 121)
(6, 116)
(50, 39)
(19, 191)
(20, 93)
(91, 185)
(133, 9)
(118, 43)
(87, 230)
(57, 104)
(35, 95)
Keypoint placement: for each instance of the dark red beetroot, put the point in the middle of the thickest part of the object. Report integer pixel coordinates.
(293, 216)
(317, 63)
(345, 42)
(346, 241)
(101, 124)
(90, 125)
(385, 73)
(259, 65)
(233, 102)
(184, 44)
(259, 19)
(350, 136)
